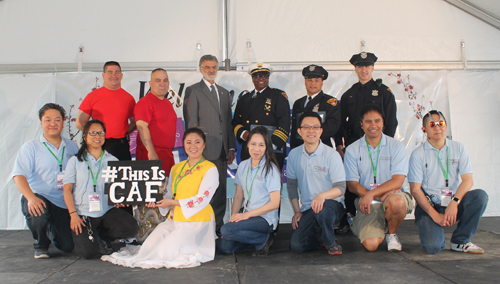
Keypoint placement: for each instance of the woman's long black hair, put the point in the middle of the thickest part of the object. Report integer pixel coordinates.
(269, 154)
(83, 145)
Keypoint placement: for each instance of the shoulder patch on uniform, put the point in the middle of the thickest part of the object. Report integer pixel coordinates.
(389, 89)
(332, 101)
(284, 95)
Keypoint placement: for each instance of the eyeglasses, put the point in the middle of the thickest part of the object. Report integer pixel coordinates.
(94, 133)
(260, 76)
(433, 123)
(307, 127)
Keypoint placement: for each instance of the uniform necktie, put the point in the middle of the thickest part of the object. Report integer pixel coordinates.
(255, 95)
(308, 100)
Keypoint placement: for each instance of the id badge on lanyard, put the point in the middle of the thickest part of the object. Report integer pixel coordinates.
(446, 196)
(60, 179)
(94, 203)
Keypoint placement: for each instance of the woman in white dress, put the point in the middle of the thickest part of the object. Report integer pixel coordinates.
(187, 237)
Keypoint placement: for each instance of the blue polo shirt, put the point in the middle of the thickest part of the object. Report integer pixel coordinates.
(315, 173)
(262, 187)
(426, 170)
(393, 160)
(78, 173)
(40, 167)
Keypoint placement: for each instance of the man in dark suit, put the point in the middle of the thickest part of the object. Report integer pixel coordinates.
(207, 105)
(264, 106)
(316, 101)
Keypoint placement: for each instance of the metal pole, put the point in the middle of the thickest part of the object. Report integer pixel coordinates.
(225, 44)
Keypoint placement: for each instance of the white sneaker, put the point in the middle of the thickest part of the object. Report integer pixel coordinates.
(393, 243)
(468, 247)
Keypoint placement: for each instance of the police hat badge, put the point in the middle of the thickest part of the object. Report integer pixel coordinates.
(312, 67)
(363, 55)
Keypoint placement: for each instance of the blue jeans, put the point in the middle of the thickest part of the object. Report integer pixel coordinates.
(249, 233)
(51, 226)
(470, 210)
(317, 228)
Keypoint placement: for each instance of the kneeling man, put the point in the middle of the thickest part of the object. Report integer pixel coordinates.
(442, 200)
(317, 170)
(376, 166)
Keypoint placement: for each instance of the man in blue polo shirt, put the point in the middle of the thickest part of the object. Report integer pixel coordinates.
(442, 200)
(38, 174)
(376, 166)
(317, 170)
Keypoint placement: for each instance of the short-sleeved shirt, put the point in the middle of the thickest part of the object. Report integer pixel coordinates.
(393, 160)
(78, 173)
(113, 107)
(161, 119)
(315, 173)
(40, 167)
(262, 187)
(426, 170)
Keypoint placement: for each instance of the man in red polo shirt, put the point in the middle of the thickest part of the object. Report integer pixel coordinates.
(115, 107)
(156, 120)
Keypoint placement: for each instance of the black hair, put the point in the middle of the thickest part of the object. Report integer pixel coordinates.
(269, 154)
(208, 57)
(110, 63)
(158, 69)
(195, 130)
(436, 112)
(309, 114)
(83, 145)
(369, 108)
(48, 106)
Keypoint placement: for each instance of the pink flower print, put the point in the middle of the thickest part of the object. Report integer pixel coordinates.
(198, 167)
(206, 192)
(200, 199)
(190, 204)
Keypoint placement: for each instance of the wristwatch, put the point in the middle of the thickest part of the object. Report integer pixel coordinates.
(456, 199)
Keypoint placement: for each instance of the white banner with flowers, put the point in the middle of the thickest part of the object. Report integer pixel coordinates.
(416, 93)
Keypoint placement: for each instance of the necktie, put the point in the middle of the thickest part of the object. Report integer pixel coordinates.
(255, 95)
(307, 101)
(214, 93)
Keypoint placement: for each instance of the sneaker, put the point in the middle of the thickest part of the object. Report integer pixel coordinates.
(468, 247)
(41, 253)
(265, 250)
(336, 249)
(342, 229)
(393, 243)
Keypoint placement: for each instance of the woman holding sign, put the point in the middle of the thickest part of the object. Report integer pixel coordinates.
(187, 237)
(257, 198)
(94, 223)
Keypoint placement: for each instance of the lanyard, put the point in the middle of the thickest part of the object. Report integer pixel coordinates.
(447, 163)
(58, 161)
(374, 167)
(94, 178)
(178, 180)
(249, 192)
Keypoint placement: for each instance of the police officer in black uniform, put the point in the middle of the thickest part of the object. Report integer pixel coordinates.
(315, 100)
(366, 91)
(264, 106)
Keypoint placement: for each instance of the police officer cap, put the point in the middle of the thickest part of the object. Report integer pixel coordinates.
(363, 59)
(260, 68)
(314, 71)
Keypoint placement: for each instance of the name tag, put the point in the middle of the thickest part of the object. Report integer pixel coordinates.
(446, 196)
(94, 203)
(59, 179)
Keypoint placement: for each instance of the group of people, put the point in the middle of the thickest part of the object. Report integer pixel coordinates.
(344, 170)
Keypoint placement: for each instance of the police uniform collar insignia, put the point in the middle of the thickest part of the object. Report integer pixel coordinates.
(375, 93)
(363, 55)
(312, 67)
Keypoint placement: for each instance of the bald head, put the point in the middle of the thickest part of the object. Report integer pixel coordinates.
(159, 83)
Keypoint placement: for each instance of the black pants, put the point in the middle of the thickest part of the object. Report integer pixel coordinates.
(120, 148)
(115, 224)
(51, 226)
(219, 199)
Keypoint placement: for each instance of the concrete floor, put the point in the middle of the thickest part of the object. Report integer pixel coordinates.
(355, 265)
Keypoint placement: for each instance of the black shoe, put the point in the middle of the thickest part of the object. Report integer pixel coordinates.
(105, 248)
(342, 229)
(265, 250)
